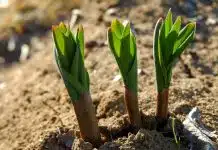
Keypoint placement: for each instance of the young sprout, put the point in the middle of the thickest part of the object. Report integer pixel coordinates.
(122, 43)
(169, 43)
(69, 56)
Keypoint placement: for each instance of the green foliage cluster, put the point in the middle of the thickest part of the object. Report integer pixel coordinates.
(169, 43)
(122, 43)
(69, 55)
(170, 40)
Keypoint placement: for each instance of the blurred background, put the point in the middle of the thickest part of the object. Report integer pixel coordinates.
(24, 23)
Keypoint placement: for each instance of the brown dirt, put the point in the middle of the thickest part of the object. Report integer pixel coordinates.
(35, 112)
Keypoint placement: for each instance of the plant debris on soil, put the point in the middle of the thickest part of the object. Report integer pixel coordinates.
(35, 109)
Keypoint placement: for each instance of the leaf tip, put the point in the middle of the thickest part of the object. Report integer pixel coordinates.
(126, 23)
(159, 21)
(179, 18)
(62, 25)
(193, 25)
(115, 20)
(169, 12)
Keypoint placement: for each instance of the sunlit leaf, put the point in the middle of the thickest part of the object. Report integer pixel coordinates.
(123, 46)
(177, 25)
(171, 39)
(69, 55)
(182, 47)
(156, 44)
(168, 22)
(80, 39)
(184, 34)
(117, 28)
(169, 43)
(59, 40)
(126, 29)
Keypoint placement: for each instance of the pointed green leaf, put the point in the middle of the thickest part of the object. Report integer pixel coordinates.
(114, 45)
(171, 39)
(169, 43)
(168, 22)
(122, 44)
(69, 55)
(133, 48)
(125, 56)
(132, 76)
(80, 48)
(72, 93)
(126, 30)
(58, 37)
(75, 65)
(177, 25)
(69, 45)
(80, 39)
(182, 47)
(156, 47)
(183, 34)
(117, 28)
(82, 71)
(163, 45)
(62, 27)
(73, 81)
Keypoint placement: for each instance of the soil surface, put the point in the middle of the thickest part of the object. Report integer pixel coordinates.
(35, 109)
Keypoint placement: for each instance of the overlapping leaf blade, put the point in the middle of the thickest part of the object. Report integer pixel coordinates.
(73, 94)
(70, 45)
(117, 28)
(177, 25)
(184, 34)
(122, 44)
(169, 43)
(80, 39)
(156, 48)
(168, 23)
(115, 45)
(132, 78)
(126, 57)
(162, 39)
(69, 55)
(171, 39)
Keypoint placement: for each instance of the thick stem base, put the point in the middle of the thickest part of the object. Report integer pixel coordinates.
(86, 119)
(162, 104)
(131, 102)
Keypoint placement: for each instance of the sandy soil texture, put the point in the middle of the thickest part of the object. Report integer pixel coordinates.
(35, 109)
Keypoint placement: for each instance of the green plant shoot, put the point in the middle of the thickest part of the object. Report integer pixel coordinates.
(122, 43)
(170, 40)
(69, 56)
(123, 46)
